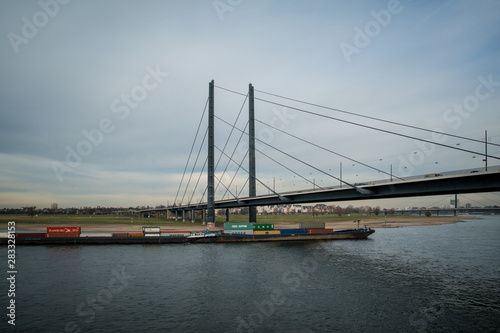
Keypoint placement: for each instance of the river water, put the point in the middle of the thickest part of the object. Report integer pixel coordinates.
(415, 279)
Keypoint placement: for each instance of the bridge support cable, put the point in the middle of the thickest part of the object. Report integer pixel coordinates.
(192, 147)
(227, 188)
(257, 179)
(364, 116)
(194, 166)
(330, 151)
(236, 173)
(378, 129)
(287, 168)
(378, 119)
(360, 190)
(198, 181)
(227, 141)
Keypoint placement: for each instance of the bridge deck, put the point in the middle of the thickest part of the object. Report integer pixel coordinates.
(487, 181)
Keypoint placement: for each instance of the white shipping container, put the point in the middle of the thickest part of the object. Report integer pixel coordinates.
(184, 234)
(150, 229)
(4, 235)
(239, 232)
(151, 234)
(96, 234)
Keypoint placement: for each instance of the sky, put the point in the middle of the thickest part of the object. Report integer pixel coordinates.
(101, 101)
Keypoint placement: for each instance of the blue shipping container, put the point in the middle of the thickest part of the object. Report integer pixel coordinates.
(292, 231)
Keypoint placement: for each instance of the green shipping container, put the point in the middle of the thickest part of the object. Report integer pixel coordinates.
(238, 226)
(263, 226)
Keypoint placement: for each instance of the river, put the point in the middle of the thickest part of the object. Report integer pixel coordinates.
(441, 278)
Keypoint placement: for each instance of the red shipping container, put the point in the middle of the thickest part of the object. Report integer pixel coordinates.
(67, 230)
(30, 235)
(318, 231)
(59, 234)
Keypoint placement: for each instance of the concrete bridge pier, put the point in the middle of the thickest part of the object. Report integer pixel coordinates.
(193, 215)
(183, 215)
(227, 214)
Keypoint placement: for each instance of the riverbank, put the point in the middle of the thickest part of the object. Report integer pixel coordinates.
(136, 226)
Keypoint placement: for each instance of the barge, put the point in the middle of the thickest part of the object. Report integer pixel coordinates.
(232, 233)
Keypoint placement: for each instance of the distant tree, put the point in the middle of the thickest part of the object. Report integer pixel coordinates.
(392, 211)
(31, 211)
(376, 210)
(53, 208)
(245, 211)
(428, 213)
(339, 210)
(349, 209)
(369, 210)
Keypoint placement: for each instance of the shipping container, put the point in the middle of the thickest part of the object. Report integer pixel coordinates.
(266, 232)
(176, 233)
(68, 230)
(30, 234)
(312, 225)
(96, 234)
(135, 234)
(292, 231)
(263, 226)
(239, 232)
(154, 230)
(153, 234)
(238, 226)
(59, 234)
(120, 234)
(6, 235)
(318, 231)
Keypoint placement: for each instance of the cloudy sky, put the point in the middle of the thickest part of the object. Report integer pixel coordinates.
(101, 100)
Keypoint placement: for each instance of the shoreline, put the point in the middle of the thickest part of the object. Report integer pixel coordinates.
(394, 222)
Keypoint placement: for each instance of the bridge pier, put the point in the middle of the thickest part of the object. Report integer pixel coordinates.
(203, 216)
(193, 215)
(183, 215)
(227, 214)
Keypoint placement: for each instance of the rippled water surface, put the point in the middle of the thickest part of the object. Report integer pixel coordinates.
(416, 279)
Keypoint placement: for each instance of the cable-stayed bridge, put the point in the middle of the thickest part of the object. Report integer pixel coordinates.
(484, 179)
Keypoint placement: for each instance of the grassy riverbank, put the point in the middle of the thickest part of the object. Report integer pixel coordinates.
(118, 223)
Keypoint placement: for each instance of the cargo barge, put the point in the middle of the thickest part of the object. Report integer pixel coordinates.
(233, 232)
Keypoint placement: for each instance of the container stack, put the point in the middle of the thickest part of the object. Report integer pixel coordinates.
(264, 229)
(292, 231)
(64, 231)
(151, 231)
(238, 228)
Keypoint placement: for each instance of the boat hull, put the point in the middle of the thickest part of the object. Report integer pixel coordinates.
(220, 238)
(342, 235)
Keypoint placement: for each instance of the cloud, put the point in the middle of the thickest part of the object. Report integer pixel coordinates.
(62, 83)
